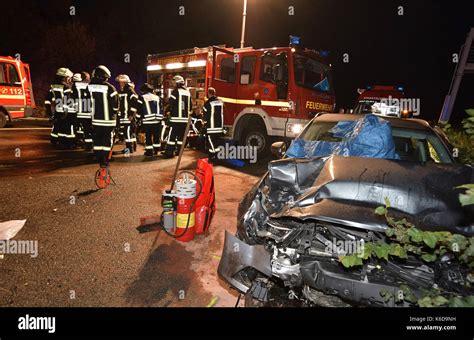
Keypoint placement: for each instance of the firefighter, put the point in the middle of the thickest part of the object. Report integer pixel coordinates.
(127, 111)
(82, 105)
(55, 100)
(213, 120)
(67, 129)
(179, 105)
(104, 99)
(150, 116)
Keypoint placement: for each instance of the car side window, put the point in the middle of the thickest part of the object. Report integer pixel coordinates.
(433, 153)
(13, 75)
(3, 76)
(247, 69)
(9, 75)
(268, 69)
(227, 69)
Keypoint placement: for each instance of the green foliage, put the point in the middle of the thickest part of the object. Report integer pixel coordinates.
(404, 239)
(351, 261)
(463, 138)
(468, 197)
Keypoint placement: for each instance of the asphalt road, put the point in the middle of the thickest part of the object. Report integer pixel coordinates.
(90, 252)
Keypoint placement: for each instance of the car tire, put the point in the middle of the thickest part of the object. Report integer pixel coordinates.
(257, 136)
(3, 119)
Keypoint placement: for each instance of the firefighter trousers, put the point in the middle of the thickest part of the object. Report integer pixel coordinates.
(129, 134)
(103, 138)
(55, 131)
(67, 130)
(85, 125)
(176, 136)
(213, 141)
(152, 138)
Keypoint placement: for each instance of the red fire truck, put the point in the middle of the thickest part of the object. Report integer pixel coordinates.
(16, 90)
(372, 100)
(267, 93)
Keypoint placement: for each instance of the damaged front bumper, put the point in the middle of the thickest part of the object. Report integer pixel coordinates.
(291, 224)
(238, 256)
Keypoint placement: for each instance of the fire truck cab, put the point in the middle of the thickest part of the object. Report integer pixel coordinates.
(377, 100)
(267, 93)
(16, 90)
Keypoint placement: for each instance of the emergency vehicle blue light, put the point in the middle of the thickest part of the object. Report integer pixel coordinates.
(369, 87)
(400, 88)
(324, 53)
(294, 40)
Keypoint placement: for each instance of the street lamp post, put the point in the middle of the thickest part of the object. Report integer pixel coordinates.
(244, 15)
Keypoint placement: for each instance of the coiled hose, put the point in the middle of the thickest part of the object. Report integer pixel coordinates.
(192, 206)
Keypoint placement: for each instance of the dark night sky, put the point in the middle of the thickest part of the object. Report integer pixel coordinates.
(414, 50)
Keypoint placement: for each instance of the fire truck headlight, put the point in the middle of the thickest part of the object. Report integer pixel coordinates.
(295, 129)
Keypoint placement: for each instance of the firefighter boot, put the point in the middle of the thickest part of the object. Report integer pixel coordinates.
(130, 147)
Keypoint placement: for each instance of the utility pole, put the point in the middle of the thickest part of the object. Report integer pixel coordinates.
(244, 16)
(465, 66)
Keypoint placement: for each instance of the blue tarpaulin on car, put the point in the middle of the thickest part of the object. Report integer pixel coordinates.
(370, 136)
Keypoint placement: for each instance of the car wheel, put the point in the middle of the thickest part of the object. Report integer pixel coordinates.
(257, 137)
(3, 119)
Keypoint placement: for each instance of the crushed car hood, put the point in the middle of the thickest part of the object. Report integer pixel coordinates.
(346, 190)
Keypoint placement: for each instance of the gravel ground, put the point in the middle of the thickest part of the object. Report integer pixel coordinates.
(90, 252)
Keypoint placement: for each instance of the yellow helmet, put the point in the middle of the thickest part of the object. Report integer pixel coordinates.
(64, 72)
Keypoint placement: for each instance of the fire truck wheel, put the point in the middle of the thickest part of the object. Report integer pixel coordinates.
(257, 136)
(3, 119)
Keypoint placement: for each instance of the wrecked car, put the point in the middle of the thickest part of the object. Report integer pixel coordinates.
(323, 194)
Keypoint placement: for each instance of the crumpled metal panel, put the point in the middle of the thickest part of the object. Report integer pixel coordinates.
(346, 190)
(238, 255)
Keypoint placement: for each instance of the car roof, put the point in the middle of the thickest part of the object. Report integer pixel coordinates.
(409, 123)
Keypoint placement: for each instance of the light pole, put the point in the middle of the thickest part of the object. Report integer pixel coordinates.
(244, 15)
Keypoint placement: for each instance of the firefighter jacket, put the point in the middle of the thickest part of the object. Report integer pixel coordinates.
(82, 102)
(104, 103)
(55, 102)
(127, 105)
(149, 111)
(214, 115)
(180, 105)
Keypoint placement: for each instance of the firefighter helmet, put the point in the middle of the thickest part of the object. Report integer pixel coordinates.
(146, 88)
(101, 71)
(178, 79)
(64, 72)
(77, 77)
(85, 76)
(211, 91)
(123, 77)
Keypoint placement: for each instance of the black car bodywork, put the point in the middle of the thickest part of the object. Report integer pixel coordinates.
(289, 217)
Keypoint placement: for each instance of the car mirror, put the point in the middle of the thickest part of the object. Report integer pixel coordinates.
(278, 149)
